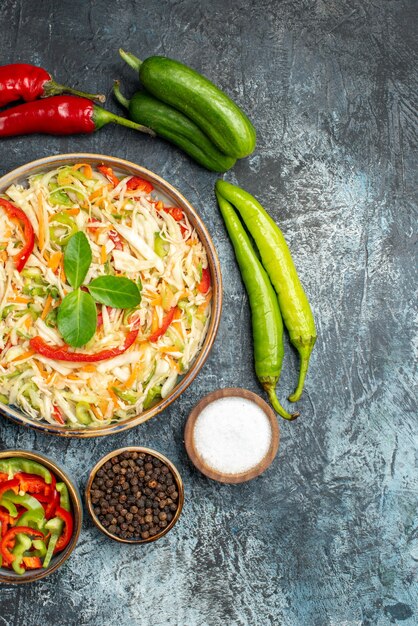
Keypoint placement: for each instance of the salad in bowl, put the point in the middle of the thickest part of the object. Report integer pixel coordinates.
(105, 296)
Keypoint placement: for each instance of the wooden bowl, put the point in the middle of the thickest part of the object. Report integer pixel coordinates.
(163, 459)
(197, 460)
(10, 577)
(166, 192)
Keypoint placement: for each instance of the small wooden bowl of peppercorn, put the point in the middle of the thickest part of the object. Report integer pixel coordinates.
(134, 495)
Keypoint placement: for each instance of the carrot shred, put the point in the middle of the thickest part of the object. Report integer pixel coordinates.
(46, 307)
(74, 211)
(96, 412)
(159, 206)
(87, 170)
(133, 377)
(55, 260)
(20, 299)
(62, 274)
(42, 371)
(112, 394)
(28, 322)
(88, 368)
(22, 357)
(73, 377)
(103, 255)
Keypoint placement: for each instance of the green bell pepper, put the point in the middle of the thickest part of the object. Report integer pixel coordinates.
(40, 549)
(127, 396)
(55, 527)
(82, 412)
(64, 496)
(16, 464)
(34, 518)
(27, 501)
(152, 396)
(54, 231)
(23, 543)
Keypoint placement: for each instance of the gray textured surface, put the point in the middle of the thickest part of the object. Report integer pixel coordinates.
(328, 535)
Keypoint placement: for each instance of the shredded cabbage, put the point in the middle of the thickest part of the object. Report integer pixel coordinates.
(122, 226)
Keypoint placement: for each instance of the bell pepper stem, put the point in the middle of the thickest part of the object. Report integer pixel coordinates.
(130, 59)
(119, 95)
(274, 401)
(304, 362)
(102, 117)
(54, 89)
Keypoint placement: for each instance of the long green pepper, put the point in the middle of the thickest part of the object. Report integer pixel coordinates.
(267, 325)
(276, 258)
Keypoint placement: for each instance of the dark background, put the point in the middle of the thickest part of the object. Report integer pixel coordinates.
(328, 535)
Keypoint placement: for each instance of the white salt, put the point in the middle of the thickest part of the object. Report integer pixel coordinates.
(232, 435)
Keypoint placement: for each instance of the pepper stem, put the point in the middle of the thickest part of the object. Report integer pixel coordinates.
(274, 401)
(119, 95)
(304, 362)
(51, 88)
(130, 59)
(102, 117)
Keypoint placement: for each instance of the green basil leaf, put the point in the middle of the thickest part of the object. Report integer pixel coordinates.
(77, 259)
(115, 291)
(77, 318)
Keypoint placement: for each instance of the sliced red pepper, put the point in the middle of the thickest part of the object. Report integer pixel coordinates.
(57, 414)
(175, 212)
(108, 172)
(4, 521)
(51, 506)
(15, 213)
(3, 477)
(30, 483)
(61, 353)
(32, 562)
(10, 537)
(67, 532)
(9, 485)
(203, 286)
(139, 184)
(115, 238)
(166, 323)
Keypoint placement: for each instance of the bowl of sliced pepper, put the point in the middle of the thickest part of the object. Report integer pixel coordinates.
(40, 516)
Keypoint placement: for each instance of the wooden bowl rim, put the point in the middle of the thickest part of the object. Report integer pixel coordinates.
(77, 511)
(165, 188)
(198, 461)
(151, 452)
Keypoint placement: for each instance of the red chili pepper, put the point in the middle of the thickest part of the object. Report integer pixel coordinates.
(4, 521)
(15, 213)
(61, 353)
(8, 485)
(139, 184)
(10, 537)
(32, 562)
(204, 284)
(166, 323)
(115, 238)
(57, 414)
(67, 532)
(60, 115)
(108, 172)
(21, 81)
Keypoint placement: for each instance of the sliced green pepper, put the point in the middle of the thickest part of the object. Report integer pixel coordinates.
(55, 526)
(64, 496)
(161, 246)
(58, 197)
(10, 507)
(40, 549)
(23, 543)
(13, 465)
(34, 518)
(127, 396)
(27, 501)
(82, 412)
(55, 232)
(8, 309)
(153, 395)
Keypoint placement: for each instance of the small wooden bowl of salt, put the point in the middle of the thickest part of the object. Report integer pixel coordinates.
(232, 435)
